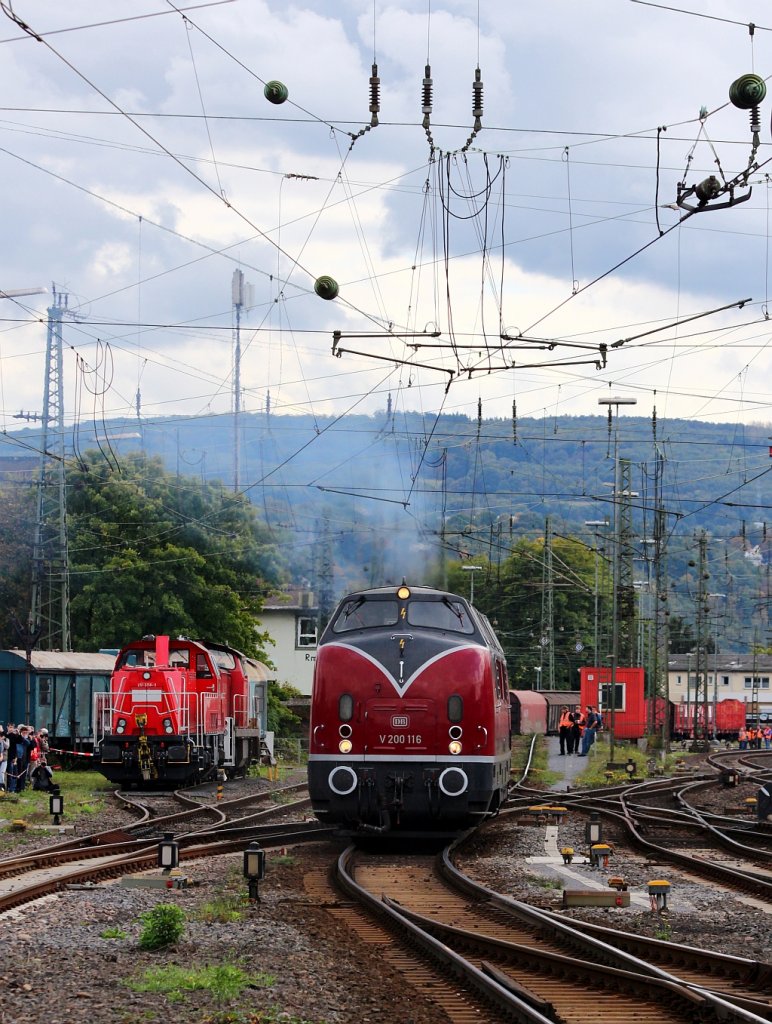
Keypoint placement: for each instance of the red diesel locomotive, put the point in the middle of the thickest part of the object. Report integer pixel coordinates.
(409, 729)
(177, 711)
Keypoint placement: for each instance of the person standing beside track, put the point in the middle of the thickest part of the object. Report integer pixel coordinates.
(565, 725)
(576, 730)
(592, 724)
(3, 758)
(18, 758)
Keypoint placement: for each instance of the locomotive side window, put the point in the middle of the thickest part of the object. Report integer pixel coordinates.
(345, 707)
(362, 614)
(451, 616)
(202, 667)
(455, 708)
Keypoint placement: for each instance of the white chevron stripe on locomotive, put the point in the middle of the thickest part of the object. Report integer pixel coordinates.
(402, 690)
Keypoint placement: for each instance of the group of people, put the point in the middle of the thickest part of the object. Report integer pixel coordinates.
(23, 758)
(754, 737)
(577, 728)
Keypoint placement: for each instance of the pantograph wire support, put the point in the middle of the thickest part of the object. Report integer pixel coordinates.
(375, 106)
(745, 93)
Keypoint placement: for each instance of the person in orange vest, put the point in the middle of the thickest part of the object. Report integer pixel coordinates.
(742, 736)
(576, 729)
(564, 731)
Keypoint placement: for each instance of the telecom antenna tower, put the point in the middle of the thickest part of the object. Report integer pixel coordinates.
(241, 297)
(50, 591)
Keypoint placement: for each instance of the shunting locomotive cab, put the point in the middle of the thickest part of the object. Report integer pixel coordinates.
(178, 710)
(409, 715)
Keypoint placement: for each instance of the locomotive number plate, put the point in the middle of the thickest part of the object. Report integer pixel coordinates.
(400, 722)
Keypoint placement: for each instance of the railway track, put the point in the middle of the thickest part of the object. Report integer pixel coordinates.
(200, 832)
(516, 962)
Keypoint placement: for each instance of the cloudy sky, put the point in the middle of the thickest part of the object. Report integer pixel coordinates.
(142, 165)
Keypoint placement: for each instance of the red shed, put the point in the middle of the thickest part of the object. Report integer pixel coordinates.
(630, 718)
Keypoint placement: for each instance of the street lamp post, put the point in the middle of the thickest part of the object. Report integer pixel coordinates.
(604, 524)
(616, 401)
(471, 569)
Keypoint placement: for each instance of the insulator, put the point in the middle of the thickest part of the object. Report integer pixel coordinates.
(326, 287)
(708, 189)
(375, 93)
(747, 91)
(275, 92)
(477, 96)
(755, 115)
(428, 85)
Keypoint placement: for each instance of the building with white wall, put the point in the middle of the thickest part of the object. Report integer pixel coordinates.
(291, 618)
(744, 677)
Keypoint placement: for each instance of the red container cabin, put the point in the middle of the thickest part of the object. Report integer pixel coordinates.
(177, 710)
(631, 711)
(409, 729)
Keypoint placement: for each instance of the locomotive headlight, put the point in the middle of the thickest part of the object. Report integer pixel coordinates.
(455, 747)
(145, 675)
(167, 724)
(121, 725)
(345, 746)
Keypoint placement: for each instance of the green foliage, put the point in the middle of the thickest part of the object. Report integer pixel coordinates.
(511, 596)
(224, 981)
(154, 553)
(113, 933)
(663, 931)
(225, 909)
(17, 512)
(281, 719)
(162, 926)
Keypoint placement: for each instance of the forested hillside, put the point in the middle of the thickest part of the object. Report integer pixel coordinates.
(362, 500)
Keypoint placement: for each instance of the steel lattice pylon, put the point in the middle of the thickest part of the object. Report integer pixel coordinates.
(50, 592)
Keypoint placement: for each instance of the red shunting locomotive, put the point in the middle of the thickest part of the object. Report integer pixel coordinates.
(409, 728)
(177, 711)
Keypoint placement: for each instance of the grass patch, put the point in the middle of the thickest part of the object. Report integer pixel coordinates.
(225, 982)
(113, 933)
(86, 793)
(228, 908)
(538, 774)
(545, 883)
(285, 860)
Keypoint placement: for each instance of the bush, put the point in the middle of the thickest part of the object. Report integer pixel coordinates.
(163, 926)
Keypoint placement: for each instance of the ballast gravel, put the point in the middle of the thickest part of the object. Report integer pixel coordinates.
(74, 958)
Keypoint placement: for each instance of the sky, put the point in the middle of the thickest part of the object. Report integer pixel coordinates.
(142, 165)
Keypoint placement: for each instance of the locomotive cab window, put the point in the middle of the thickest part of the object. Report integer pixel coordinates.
(360, 613)
(203, 671)
(450, 616)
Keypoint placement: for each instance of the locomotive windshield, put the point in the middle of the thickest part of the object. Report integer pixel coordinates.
(367, 613)
(446, 615)
(359, 613)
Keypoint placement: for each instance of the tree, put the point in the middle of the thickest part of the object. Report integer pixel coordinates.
(17, 512)
(512, 599)
(681, 635)
(153, 553)
(281, 719)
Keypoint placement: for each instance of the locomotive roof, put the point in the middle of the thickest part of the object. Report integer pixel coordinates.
(414, 591)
